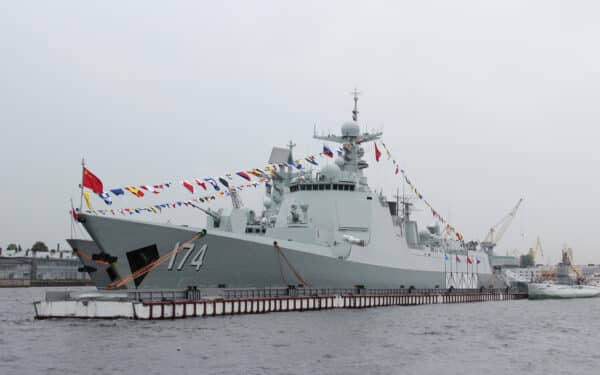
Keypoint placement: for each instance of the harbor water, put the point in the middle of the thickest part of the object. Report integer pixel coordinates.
(533, 337)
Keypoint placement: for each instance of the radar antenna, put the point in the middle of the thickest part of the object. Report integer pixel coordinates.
(355, 93)
(291, 146)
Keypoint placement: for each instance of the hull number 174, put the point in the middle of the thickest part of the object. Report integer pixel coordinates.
(197, 260)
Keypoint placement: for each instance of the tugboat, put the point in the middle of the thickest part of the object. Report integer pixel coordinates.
(570, 282)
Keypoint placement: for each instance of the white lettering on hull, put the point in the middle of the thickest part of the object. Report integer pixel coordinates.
(197, 260)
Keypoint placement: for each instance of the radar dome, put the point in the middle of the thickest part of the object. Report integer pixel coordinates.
(350, 129)
(267, 203)
(331, 172)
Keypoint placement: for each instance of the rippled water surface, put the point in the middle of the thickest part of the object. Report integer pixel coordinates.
(518, 337)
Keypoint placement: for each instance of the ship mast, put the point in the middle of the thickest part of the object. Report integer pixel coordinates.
(290, 160)
(356, 93)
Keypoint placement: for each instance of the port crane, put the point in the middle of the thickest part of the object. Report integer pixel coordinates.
(537, 249)
(496, 232)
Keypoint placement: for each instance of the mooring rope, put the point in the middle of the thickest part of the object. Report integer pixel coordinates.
(88, 257)
(282, 255)
(152, 265)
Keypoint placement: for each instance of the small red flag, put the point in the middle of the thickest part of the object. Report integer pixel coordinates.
(469, 261)
(244, 175)
(74, 214)
(90, 181)
(397, 170)
(188, 186)
(377, 153)
(202, 184)
(458, 259)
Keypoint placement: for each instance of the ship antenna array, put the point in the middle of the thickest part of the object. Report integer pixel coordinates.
(355, 93)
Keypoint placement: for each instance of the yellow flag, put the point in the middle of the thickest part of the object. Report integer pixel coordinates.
(86, 195)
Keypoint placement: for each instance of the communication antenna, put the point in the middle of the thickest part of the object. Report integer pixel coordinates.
(355, 93)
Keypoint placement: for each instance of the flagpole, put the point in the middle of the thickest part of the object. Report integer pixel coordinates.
(71, 219)
(81, 186)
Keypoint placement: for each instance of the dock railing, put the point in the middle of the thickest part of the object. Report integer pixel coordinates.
(193, 293)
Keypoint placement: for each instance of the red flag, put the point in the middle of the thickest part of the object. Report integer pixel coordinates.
(90, 181)
(244, 175)
(457, 259)
(459, 236)
(74, 213)
(377, 153)
(188, 186)
(469, 261)
(397, 169)
(201, 183)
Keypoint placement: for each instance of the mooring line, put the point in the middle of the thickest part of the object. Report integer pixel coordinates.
(152, 265)
(280, 252)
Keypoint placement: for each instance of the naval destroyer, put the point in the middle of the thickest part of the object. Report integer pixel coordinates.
(322, 228)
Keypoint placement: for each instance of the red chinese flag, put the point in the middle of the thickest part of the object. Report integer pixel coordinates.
(90, 181)
(377, 153)
(74, 214)
(469, 260)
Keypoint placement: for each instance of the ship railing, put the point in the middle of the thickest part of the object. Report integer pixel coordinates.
(303, 291)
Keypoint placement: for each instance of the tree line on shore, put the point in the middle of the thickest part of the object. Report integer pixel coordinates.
(38, 246)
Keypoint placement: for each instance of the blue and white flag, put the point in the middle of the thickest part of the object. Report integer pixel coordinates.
(213, 182)
(106, 198)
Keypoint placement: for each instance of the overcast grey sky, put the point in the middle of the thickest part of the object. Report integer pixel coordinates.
(482, 102)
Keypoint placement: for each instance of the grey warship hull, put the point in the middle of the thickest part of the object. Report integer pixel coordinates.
(238, 260)
(85, 251)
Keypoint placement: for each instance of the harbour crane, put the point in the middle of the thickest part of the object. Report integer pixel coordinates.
(537, 249)
(496, 232)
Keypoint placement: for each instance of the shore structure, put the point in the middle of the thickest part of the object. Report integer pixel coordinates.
(26, 268)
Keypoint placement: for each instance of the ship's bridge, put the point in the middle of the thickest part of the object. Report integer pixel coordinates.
(329, 177)
(311, 186)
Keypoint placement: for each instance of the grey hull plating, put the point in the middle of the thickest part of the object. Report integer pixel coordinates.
(84, 249)
(239, 260)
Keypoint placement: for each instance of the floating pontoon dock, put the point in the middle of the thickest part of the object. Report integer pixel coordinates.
(177, 304)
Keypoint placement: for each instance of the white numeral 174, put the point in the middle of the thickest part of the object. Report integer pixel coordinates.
(197, 260)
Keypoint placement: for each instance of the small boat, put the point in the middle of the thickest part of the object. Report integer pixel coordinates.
(559, 291)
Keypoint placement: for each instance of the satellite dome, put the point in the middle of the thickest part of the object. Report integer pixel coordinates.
(267, 203)
(350, 129)
(330, 172)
